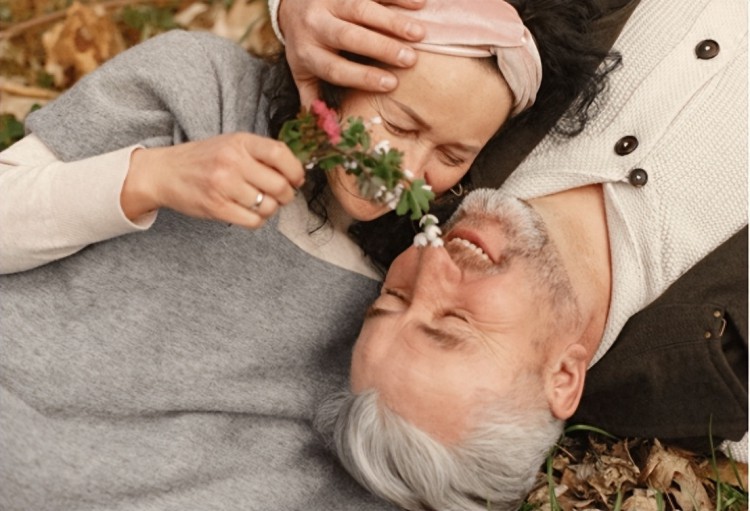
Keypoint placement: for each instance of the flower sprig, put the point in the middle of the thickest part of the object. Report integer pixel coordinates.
(318, 138)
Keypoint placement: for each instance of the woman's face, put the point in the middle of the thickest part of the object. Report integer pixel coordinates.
(444, 110)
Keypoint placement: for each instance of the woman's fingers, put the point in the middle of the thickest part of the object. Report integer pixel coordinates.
(277, 158)
(239, 178)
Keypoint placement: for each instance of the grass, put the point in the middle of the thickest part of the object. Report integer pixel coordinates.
(727, 496)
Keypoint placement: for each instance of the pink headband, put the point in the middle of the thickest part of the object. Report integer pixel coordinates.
(482, 28)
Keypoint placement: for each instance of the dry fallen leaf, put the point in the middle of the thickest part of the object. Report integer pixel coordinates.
(641, 500)
(78, 45)
(725, 470)
(247, 23)
(603, 472)
(668, 471)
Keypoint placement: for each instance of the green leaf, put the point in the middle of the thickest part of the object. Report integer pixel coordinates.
(331, 162)
(11, 130)
(416, 211)
(403, 204)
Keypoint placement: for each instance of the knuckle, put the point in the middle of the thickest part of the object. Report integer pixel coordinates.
(275, 149)
(345, 36)
(360, 9)
(332, 72)
(225, 155)
(218, 179)
(278, 188)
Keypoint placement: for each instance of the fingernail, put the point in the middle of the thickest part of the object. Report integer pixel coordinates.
(414, 30)
(388, 83)
(407, 56)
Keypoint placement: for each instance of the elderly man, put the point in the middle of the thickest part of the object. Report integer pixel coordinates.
(475, 353)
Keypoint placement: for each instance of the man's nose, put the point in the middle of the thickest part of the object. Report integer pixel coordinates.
(436, 274)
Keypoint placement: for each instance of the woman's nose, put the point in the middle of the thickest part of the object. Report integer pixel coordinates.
(416, 158)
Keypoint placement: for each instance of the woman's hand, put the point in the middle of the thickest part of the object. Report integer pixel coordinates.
(218, 178)
(316, 30)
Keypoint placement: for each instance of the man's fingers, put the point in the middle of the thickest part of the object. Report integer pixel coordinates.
(363, 41)
(407, 4)
(373, 15)
(338, 70)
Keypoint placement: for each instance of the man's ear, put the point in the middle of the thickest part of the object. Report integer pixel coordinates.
(564, 380)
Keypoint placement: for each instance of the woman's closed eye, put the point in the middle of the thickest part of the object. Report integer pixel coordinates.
(450, 159)
(398, 130)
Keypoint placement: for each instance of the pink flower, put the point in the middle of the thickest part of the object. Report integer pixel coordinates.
(327, 120)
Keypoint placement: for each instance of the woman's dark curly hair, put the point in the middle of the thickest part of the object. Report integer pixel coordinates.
(574, 73)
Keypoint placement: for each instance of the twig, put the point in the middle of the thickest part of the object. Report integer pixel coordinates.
(19, 28)
(18, 89)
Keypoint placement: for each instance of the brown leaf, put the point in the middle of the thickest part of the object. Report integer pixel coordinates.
(641, 500)
(725, 472)
(81, 43)
(607, 474)
(247, 22)
(669, 471)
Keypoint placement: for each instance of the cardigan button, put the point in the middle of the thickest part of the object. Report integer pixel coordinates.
(707, 334)
(626, 145)
(638, 177)
(706, 50)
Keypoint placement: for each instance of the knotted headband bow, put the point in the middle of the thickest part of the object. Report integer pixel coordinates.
(483, 28)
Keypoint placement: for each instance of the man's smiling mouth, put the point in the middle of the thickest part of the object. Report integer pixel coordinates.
(469, 246)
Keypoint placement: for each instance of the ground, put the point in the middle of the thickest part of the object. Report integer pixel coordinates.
(46, 45)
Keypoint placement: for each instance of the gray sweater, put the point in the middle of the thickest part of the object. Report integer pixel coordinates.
(177, 368)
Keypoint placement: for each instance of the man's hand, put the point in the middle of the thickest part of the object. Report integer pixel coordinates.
(316, 30)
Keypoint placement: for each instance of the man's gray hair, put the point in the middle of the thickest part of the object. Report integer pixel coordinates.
(494, 467)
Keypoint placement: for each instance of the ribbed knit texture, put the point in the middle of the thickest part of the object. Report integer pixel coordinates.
(690, 118)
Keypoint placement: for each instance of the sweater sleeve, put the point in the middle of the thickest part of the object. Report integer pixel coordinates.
(52, 209)
(173, 88)
(735, 450)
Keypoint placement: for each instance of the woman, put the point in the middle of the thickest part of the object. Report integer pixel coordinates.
(177, 368)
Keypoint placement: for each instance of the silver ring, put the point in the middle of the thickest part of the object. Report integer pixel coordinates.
(258, 201)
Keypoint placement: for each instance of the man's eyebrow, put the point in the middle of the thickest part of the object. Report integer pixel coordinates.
(424, 125)
(444, 338)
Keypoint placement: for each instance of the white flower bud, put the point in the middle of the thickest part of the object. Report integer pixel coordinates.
(427, 188)
(380, 192)
(437, 243)
(376, 120)
(420, 240)
(429, 220)
(382, 147)
(408, 174)
(432, 232)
